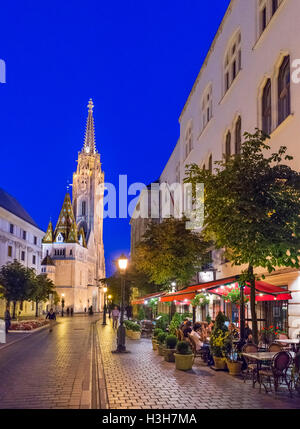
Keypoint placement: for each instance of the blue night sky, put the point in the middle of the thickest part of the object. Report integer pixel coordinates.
(136, 59)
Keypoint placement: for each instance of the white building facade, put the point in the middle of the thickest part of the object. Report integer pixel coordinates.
(247, 81)
(21, 240)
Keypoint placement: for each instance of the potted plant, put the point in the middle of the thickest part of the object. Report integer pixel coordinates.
(161, 338)
(184, 357)
(217, 341)
(171, 341)
(154, 338)
(233, 358)
(133, 330)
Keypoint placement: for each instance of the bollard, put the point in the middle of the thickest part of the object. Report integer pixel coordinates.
(2, 332)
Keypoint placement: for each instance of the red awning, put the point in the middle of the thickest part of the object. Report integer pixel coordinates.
(147, 297)
(178, 296)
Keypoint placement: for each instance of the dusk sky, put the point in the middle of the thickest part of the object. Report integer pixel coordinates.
(136, 59)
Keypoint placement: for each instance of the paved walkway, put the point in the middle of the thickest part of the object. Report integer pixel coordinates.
(49, 370)
(142, 379)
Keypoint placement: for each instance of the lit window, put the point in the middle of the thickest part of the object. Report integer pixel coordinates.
(233, 61)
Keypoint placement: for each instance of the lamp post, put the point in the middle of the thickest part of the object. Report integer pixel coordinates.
(121, 348)
(104, 306)
(62, 304)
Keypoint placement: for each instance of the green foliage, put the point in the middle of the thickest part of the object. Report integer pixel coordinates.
(175, 322)
(16, 281)
(219, 336)
(163, 322)
(208, 318)
(252, 206)
(132, 326)
(200, 300)
(156, 332)
(183, 348)
(161, 338)
(169, 251)
(141, 313)
(234, 297)
(171, 341)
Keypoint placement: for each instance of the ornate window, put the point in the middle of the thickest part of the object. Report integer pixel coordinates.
(188, 140)
(284, 90)
(228, 146)
(207, 106)
(267, 108)
(233, 61)
(238, 135)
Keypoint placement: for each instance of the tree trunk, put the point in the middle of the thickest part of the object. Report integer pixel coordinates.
(36, 308)
(252, 304)
(14, 310)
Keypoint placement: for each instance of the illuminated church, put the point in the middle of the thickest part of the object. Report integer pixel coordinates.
(73, 252)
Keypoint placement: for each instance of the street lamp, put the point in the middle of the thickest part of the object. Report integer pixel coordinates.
(121, 348)
(104, 306)
(62, 304)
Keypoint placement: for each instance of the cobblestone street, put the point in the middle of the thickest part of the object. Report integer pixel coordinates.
(142, 379)
(48, 370)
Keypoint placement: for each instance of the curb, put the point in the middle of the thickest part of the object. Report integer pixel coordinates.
(28, 334)
(104, 403)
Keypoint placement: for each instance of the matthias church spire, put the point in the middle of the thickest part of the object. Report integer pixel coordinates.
(89, 146)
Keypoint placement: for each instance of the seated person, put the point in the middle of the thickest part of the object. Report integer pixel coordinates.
(196, 335)
(233, 330)
(187, 329)
(183, 323)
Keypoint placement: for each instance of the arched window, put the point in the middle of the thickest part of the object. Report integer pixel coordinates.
(207, 106)
(228, 146)
(188, 140)
(238, 135)
(233, 61)
(83, 208)
(210, 164)
(284, 90)
(266, 10)
(267, 108)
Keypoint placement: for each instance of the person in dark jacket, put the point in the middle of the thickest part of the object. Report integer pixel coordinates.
(52, 318)
(7, 318)
(187, 329)
(72, 311)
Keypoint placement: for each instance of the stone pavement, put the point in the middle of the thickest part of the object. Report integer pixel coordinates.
(142, 379)
(49, 370)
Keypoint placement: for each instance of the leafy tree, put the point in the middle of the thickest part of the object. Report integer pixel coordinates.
(16, 282)
(170, 252)
(41, 288)
(252, 206)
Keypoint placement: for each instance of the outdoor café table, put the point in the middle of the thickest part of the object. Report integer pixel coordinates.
(261, 357)
(295, 342)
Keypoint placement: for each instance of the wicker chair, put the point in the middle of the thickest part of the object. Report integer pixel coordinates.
(275, 347)
(251, 371)
(277, 372)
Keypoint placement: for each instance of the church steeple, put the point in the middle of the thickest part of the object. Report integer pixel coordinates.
(66, 228)
(89, 146)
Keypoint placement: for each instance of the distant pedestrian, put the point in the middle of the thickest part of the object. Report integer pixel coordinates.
(110, 307)
(7, 318)
(71, 311)
(115, 316)
(52, 318)
(129, 312)
(68, 311)
(84, 310)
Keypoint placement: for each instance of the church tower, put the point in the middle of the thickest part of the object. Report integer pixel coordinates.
(88, 189)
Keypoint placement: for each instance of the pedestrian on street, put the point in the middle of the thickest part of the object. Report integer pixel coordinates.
(68, 311)
(129, 311)
(84, 310)
(115, 316)
(7, 318)
(110, 306)
(71, 311)
(52, 318)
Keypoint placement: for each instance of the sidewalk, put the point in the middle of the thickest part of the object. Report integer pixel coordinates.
(142, 379)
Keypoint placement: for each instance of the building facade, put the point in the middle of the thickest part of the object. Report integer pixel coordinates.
(73, 251)
(21, 240)
(247, 81)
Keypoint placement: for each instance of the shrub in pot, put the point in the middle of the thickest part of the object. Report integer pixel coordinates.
(218, 341)
(184, 357)
(161, 338)
(171, 342)
(233, 357)
(133, 330)
(154, 338)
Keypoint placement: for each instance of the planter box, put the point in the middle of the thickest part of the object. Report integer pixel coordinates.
(220, 363)
(161, 349)
(154, 344)
(234, 368)
(134, 335)
(184, 362)
(169, 355)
